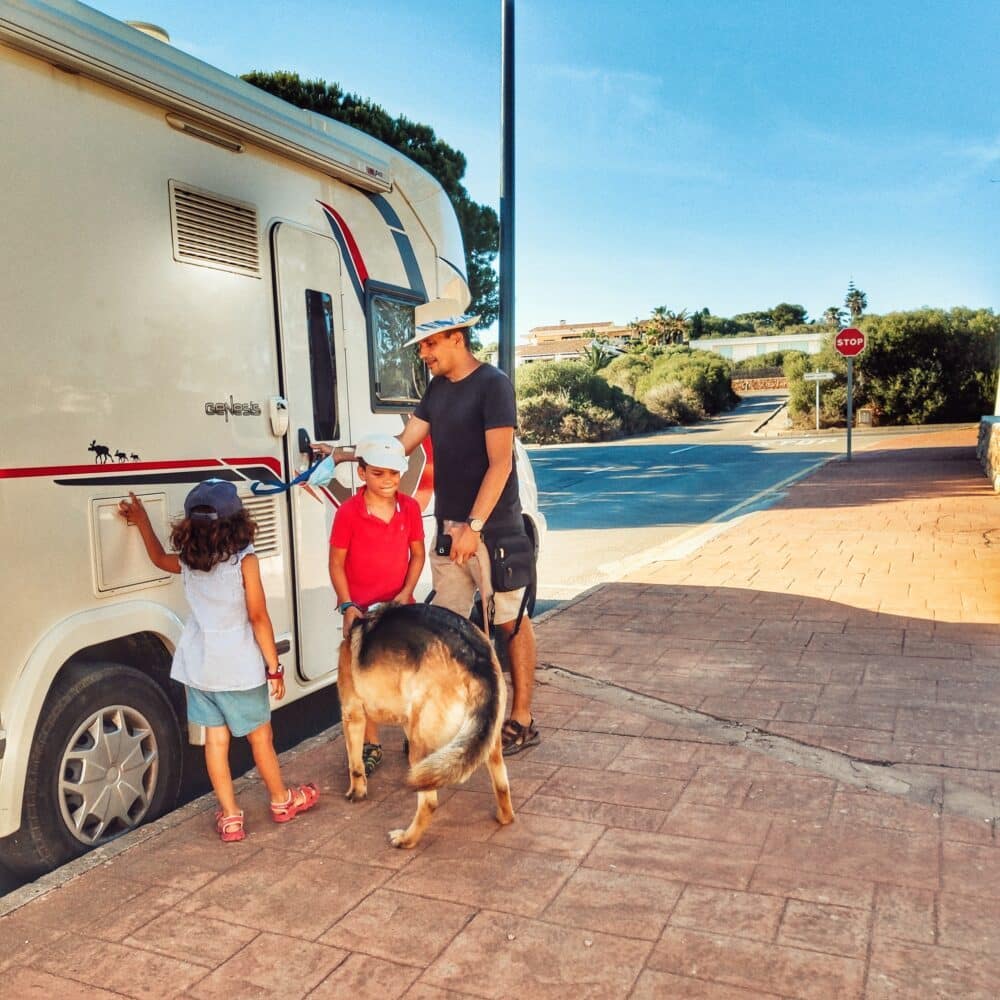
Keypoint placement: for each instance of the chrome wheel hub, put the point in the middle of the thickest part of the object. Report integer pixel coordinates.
(107, 775)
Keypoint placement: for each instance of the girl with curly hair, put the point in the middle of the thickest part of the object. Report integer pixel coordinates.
(226, 655)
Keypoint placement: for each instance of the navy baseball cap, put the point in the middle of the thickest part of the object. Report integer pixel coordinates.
(218, 495)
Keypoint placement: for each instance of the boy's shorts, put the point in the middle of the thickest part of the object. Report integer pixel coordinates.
(241, 712)
(455, 586)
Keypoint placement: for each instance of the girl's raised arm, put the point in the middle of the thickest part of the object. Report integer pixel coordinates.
(135, 514)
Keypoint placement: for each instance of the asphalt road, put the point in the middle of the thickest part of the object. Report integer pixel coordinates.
(613, 507)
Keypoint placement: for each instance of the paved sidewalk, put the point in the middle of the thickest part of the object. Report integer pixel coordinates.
(768, 769)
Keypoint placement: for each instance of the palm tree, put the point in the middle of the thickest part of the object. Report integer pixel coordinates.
(834, 315)
(856, 301)
(596, 355)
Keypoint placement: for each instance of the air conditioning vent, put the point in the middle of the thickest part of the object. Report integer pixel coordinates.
(212, 231)
(264, 510)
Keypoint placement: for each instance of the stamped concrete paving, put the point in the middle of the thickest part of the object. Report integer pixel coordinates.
(653, 855)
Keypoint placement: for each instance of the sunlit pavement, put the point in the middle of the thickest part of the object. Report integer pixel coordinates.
(768, 768)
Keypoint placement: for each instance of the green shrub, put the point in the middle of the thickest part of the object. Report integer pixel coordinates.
(708, 375)
(539, 418)
(591, 423)
(626, 370)
(674, 403)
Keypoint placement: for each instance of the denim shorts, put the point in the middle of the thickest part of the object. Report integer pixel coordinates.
(240, 711)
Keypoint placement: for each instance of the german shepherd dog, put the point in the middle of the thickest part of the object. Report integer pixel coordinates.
(435, 673)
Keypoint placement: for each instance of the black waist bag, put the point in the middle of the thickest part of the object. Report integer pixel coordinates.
(512, 561)
(512, 566)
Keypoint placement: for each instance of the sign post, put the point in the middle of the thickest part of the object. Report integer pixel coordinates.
(849, 343)
(817, 377)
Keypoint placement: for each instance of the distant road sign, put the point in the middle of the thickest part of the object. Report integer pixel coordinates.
(849, 342)
(818, 376)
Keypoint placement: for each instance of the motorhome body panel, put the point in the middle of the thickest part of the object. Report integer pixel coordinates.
(132, 370)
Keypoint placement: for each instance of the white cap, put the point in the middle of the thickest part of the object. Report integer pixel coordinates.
(382, 452)
(439, 316)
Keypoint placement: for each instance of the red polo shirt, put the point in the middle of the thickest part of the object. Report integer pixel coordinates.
(378, 554)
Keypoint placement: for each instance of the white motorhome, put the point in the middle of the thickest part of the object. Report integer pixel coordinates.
(198, 280)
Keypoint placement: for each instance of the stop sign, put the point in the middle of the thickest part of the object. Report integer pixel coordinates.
(849, 342)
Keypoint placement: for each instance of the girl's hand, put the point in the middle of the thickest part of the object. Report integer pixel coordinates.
(277, 688)
(350, 617)
(132, 510)
(404, 597)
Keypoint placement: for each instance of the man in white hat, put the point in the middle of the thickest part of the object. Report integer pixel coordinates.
(470, 411)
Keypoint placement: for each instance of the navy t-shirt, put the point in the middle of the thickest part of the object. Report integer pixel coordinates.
(460, 413)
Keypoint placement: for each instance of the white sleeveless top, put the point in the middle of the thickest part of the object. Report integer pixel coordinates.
(217, 649)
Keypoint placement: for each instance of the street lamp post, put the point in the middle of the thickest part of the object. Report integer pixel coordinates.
(505, 345)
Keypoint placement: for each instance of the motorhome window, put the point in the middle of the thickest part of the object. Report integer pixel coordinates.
(322, 364)
(399, 376)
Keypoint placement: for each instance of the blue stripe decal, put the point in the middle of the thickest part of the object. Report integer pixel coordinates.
(409, 259)
(460, 271)
(386, 211)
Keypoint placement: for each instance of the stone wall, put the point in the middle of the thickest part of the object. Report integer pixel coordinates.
(749, 384)
(988, 449)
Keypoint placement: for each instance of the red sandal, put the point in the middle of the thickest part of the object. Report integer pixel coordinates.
(230, 828)
(299, 800)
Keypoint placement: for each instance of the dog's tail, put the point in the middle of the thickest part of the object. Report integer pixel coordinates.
(455, 761)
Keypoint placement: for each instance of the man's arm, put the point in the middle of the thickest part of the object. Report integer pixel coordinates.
(413, 433)
(500, 452)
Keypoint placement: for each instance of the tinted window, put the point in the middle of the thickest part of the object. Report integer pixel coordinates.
(322, 364)
(399, 376)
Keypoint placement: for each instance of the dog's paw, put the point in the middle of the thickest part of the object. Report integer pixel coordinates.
(356, 793)
(503, 817)
(398, 839)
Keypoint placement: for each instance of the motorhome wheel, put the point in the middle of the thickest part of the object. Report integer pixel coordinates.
(106, 757)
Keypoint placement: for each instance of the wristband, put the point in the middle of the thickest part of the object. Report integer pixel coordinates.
(342, 608)
(279, 672)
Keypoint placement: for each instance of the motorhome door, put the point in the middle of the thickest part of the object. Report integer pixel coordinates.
(307, 272)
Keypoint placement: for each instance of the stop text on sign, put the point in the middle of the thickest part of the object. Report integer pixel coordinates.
(849, 342)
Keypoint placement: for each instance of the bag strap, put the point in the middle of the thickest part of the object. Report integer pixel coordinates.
(259, 490)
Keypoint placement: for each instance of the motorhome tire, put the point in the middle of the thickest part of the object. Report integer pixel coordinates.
(119, 722)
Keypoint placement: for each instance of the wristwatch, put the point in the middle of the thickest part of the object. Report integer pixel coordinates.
(279, 671)
(476, 523)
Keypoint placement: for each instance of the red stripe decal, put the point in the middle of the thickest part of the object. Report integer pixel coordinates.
(352, 246)
(117, 467)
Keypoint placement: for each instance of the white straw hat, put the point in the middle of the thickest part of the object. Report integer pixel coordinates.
(437, 316)
(382, 452)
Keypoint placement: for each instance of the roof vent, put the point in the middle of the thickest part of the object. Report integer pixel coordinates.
(212, 231)
(153, 30)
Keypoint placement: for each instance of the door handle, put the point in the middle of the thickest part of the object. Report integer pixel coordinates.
(305, 442)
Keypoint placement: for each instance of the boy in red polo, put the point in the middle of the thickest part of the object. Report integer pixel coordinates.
(376, 547)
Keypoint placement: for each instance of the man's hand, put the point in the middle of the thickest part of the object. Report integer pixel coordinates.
(464, 543)
(277, 688)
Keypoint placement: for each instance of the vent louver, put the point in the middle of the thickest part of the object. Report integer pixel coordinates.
(264, 510)
(212, 231)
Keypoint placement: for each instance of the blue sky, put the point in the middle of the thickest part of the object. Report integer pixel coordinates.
(722, 153)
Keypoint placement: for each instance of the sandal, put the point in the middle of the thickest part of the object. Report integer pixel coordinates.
(230, 828)
(372, 756)
(299, 800)
(516, 737)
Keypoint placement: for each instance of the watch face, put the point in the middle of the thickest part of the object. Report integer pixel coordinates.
(476, 524)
